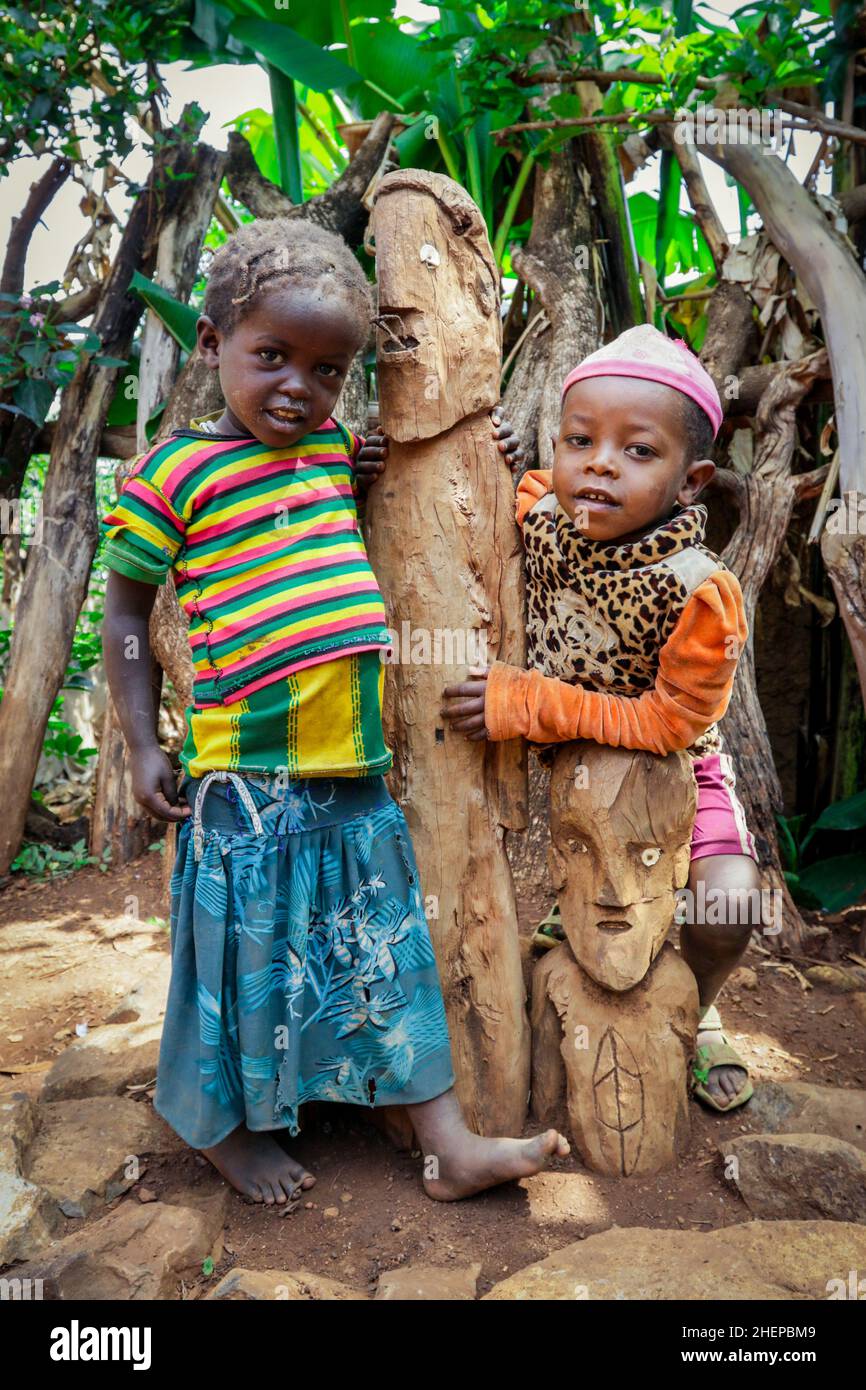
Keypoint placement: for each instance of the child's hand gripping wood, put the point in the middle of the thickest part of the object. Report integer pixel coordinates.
(373, 454)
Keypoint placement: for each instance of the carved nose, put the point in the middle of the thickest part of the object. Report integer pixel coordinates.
(610, 896)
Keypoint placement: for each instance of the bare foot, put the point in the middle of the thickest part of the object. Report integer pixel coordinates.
(257, 1167)
(473, 1164)
(458, 1163)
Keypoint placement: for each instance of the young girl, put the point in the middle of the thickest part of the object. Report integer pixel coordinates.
(302, 967)
(635, 628)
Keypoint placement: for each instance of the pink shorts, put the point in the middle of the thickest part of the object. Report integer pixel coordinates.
(720, 821)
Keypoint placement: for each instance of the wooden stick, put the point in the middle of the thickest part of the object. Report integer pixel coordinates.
(824, 501)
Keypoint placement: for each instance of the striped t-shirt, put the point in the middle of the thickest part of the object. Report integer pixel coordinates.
(268, 558)
(269, 544)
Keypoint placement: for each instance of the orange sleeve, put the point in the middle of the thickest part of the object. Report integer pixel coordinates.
(692, 689)
(535, 484)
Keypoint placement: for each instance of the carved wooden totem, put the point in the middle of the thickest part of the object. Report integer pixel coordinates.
(615, 1008)
(447, 553)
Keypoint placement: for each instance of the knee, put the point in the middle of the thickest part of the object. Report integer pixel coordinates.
(725, 901)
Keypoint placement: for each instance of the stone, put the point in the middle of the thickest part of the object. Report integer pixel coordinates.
(429, 1283)
(105, 1062)
(744, 977)
(298, 1286)
(756, 1260)
(799, 1107)
(145, 1002)
(842, 980)
(89, 1151)
(18, 1125)
(798, 1176)
(29, 1218)
(134, 1253)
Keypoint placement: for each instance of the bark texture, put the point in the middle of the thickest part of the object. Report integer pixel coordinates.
(444, 545)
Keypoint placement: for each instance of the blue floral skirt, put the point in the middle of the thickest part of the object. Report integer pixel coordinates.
(302, 967)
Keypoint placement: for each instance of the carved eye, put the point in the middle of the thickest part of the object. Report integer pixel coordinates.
(650, 856)
(577, 846)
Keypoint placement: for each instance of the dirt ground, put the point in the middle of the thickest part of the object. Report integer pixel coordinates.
(72, 949)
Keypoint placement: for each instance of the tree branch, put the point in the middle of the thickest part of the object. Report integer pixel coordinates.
(340, 209)
(23, 226)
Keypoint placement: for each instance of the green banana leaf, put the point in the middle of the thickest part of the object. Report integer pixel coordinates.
(836, 882)
(180, 319)
(288, 51)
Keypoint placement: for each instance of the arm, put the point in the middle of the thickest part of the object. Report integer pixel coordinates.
(692, 690)
(126, 652)
(535, 484)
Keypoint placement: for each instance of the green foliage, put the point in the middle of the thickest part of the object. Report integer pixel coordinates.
(180, 319)
(37, 356)
(832, 882)
(50, 861)
(51, 48)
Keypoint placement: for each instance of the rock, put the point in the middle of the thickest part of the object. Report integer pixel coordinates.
(145, 1002)
(799, 1176)
(133, 1253)
(331, 1212)
(18, 1124)
(429, 1282)
(755, 1260)
(146, 1194)
(843, 980)
(744, 977)
(297, 1287)
(105, 1062)
(798, 1107)
(29, 1218)
(85, 1151)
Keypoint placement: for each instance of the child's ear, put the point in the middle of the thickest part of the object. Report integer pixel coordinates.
(698, 474)
(209, 340)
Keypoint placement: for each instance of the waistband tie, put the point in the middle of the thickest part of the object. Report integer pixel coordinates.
(221, 775)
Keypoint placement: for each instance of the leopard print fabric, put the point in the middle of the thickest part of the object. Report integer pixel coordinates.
(599, 613)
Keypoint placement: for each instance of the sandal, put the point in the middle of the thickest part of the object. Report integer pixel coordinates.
(549, 933)
(717, 1054)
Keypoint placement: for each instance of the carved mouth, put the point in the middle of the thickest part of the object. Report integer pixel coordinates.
(615, 924)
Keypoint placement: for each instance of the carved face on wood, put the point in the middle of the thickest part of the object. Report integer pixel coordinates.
(439, 331)
(621, 825)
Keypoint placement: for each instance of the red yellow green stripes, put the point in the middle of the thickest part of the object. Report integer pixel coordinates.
(325, 720)
(265, 549)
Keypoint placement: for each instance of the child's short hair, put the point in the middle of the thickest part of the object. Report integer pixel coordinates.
(698, 429)
(283, 248)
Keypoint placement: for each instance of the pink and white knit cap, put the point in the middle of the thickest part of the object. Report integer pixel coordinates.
(646, 353)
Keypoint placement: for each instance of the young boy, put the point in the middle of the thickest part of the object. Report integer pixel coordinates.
(635, 627)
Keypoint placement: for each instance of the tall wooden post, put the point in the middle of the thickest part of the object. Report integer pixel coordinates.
(445, 548)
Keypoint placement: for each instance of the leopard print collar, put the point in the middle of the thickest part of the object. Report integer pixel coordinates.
(685, 528)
